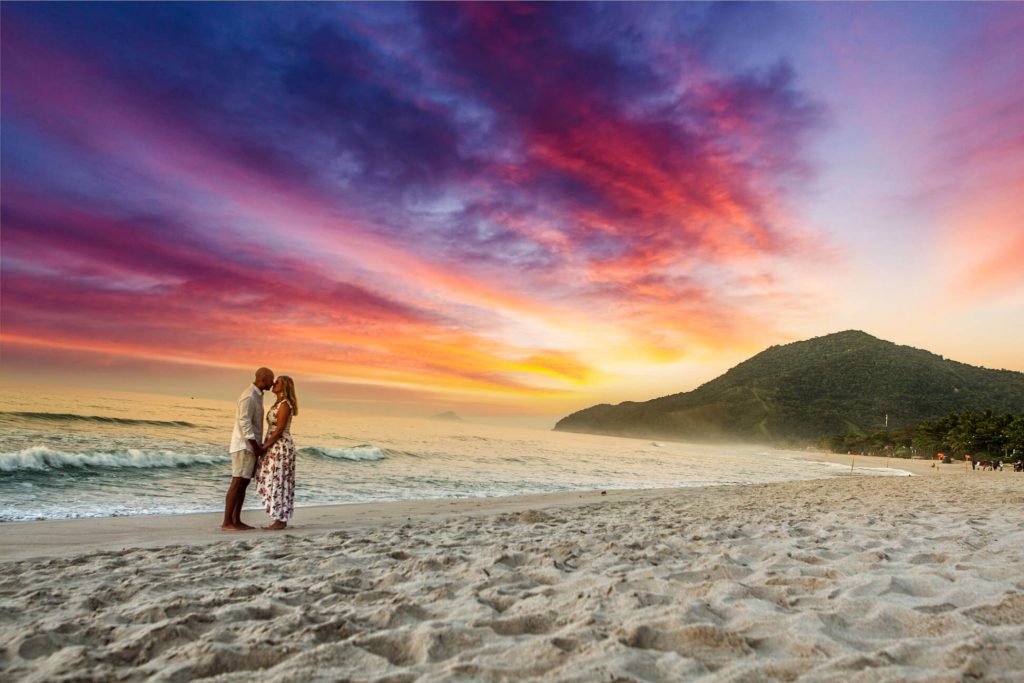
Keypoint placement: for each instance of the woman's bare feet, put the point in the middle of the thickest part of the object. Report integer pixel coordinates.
(276, 526)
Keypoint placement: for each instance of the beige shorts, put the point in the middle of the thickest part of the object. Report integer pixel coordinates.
(243, 464)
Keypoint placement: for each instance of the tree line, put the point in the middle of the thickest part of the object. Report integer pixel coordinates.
(983, 434)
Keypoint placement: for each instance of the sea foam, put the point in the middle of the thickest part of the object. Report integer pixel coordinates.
(39, 458)
(362, 453)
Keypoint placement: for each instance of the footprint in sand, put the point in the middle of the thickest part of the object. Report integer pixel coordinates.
(707, 643)
(524, 624)
(39, 645)
(404, 648)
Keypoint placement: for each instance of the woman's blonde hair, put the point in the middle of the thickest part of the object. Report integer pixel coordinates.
(288, 393)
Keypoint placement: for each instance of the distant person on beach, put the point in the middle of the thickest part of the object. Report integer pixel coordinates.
(245, 447)
(275, 476)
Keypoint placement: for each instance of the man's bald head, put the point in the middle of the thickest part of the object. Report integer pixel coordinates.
(264, 379)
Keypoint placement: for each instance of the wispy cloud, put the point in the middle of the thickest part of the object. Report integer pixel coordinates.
(500, 198)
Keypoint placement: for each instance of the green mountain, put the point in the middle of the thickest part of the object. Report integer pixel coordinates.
(837, 384)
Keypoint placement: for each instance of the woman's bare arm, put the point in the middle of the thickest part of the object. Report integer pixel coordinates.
(284, 412)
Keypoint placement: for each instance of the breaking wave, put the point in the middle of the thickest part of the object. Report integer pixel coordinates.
(362, 453)
(41, 458)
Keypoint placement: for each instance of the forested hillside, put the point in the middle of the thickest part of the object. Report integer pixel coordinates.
(843, 383)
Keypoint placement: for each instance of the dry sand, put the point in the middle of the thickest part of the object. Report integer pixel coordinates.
(848, 579)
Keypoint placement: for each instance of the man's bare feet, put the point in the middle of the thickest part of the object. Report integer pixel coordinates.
(276, 526)
(246, 527)
(233, 527)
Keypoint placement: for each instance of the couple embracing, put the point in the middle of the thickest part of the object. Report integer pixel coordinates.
(271, 458)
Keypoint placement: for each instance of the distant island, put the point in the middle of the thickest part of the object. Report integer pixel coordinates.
(843, 383)
(448, 416)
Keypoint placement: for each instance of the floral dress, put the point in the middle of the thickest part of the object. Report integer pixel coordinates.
(275, 480)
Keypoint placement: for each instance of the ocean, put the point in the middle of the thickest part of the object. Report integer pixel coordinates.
(67, 455)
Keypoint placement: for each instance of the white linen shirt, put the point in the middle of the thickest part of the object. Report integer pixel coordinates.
(248, 420)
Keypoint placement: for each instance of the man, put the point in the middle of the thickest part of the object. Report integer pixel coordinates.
(246, 447)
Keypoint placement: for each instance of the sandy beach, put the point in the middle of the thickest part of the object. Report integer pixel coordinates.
(846, 579)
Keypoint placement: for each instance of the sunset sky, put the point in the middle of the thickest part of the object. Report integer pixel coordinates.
(502, 209)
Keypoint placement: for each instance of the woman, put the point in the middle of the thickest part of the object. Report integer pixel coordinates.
(275, 476)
